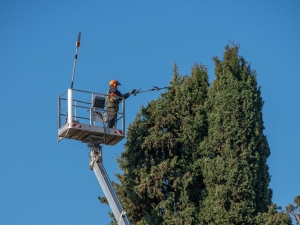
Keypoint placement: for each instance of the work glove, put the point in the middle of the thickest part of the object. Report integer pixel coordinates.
(133, 91)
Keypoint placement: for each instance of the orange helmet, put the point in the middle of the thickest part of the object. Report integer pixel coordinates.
(114, 83)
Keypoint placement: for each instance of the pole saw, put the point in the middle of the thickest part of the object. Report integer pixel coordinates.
(152, 89)
(75, 58)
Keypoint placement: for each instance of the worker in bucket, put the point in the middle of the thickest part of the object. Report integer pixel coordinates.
(113, 98)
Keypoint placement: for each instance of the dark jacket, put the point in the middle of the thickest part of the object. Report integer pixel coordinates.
(115, 104)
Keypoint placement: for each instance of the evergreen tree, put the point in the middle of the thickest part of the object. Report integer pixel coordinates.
(235, 151)
(161, 183)
(198, 155)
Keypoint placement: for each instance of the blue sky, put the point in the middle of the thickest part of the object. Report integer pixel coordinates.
(135, 42)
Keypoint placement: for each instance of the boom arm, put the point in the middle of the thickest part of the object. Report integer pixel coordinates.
(108, 190)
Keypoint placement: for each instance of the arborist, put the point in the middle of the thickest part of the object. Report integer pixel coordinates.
(113, 98)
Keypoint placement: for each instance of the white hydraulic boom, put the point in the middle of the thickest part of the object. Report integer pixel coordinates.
(108, 190)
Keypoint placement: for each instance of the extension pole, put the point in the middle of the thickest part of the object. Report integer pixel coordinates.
(75, 58)
(153, 89)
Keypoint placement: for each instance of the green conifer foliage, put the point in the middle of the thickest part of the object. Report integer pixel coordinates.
(198, 154)
(236, 150)
(161, 184)
(273, 217)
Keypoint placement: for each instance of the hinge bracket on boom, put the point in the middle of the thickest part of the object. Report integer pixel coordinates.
(95, 155)
(122, 214)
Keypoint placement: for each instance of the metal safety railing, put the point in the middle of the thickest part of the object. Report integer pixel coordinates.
(77, 106)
